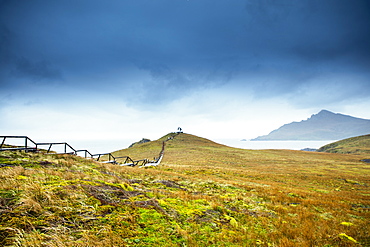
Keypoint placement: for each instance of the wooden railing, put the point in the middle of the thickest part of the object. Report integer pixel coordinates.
(25, 147)
(127, 161)
(35, 147)
(58, 143)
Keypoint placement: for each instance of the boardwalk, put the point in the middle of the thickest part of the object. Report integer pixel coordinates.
(28, 145)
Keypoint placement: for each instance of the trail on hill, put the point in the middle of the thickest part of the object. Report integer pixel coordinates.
(161, 153)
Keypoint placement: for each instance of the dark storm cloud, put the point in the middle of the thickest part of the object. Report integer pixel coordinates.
(270, 47)
(36, 70)
(168, 82)
(5, 54)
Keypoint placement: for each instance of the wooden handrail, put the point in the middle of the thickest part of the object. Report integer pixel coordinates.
(111, 158)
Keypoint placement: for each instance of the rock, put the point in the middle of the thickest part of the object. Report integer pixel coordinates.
(144, 140)
(309, 149)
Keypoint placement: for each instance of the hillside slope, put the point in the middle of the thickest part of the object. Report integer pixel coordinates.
(174, 144)
(354, 145)
(203, 194)
(325, 125)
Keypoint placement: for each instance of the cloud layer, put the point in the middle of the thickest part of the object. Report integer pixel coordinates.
(151, 56)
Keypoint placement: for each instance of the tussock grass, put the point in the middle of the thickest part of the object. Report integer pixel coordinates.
(203, 194)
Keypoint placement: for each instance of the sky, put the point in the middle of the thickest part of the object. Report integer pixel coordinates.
(107, 73)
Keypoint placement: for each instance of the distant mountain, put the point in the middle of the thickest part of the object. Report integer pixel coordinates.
(325, 125)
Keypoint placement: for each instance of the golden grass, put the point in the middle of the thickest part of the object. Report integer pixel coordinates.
(203, 194)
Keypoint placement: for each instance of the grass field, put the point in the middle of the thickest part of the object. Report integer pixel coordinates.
(354, 145)
(202, 194)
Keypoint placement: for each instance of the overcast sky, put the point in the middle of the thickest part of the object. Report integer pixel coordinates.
(126, 69)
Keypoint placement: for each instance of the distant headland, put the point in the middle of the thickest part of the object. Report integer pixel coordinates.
(324, 125)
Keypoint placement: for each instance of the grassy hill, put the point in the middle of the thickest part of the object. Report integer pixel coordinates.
(354, 145)
(203, 194)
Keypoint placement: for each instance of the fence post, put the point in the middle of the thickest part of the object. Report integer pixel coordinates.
(49, 147)
(3, 142)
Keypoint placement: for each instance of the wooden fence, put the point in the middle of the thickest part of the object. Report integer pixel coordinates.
(31, 146)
